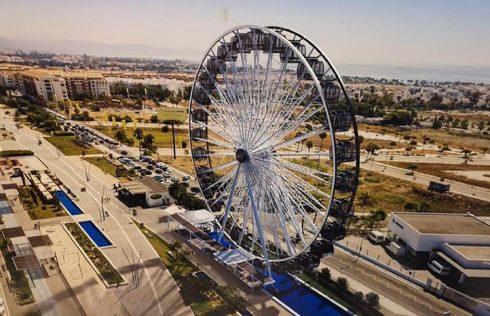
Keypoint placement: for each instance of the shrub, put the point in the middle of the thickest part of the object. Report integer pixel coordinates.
(325, 274)
(14, 153)
(412, 206)
(359, 296)
(343, 283)
(372, 299)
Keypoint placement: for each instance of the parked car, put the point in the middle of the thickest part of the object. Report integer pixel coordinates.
(166, 174)
(158, 171)
(195, 190)
(376, 237)
(175, 179)
(150, 167)
(186, 178)
(439, 268)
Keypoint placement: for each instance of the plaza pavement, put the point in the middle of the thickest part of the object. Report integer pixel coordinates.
(157, 293)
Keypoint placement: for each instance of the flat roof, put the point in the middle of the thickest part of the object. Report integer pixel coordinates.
(473, 252)
(471, 273)
(445, 224)
(26, 262)
(144, 185)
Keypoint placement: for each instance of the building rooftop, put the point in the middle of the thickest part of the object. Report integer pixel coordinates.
(445, 224)
(474, 252)
(144, 185)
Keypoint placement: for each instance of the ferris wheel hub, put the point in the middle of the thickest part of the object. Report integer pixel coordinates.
(242, 155)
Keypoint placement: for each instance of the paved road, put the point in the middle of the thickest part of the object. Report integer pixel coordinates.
(410, 298)
(157, 293)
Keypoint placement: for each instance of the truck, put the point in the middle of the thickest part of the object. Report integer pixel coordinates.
(438, 187)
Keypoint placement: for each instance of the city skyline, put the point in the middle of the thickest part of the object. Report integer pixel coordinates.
(398, 34)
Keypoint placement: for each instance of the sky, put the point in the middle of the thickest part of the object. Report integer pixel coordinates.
(414, 33)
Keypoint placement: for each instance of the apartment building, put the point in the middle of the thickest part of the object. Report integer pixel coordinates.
(53, 85)
(43, 85)
(82, 85)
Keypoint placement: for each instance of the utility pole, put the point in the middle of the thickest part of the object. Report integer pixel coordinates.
(173, 139)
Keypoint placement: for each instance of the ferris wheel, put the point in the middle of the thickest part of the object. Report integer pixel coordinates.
(274, 144)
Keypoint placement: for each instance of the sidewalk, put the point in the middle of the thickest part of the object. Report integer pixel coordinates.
(260, 303)
(388, 307)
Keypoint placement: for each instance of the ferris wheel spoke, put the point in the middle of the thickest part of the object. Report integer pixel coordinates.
(222, 180)
(316, 174)
(258, 222)
(275, 198)
(292, 141)
(215, 142)
(286, 193)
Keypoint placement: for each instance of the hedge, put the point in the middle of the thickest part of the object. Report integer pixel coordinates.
(14, 153)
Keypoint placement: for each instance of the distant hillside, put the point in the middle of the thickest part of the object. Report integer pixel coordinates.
(98, 49)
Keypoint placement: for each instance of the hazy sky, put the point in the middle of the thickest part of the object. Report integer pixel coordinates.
(391, 32)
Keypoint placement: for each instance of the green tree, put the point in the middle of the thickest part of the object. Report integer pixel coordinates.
(322, 136)
(154, 119)
(372, 148)
(138, 134)
(120, 136)
(309, 145)
(149, 142)
(365, 200)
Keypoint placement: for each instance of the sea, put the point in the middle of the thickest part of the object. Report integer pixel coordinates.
(474, 74)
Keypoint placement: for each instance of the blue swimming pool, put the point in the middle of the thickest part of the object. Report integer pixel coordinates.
(95, 234)
(69, 205)
(295, 295)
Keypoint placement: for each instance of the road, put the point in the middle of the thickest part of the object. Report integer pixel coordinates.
(410, 298)
(157, 293)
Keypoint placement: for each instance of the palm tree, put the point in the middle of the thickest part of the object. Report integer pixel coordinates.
(322, 136)
(138, 134)
(309, 144)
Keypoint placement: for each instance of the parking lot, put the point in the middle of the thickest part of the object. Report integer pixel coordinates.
(142, 166)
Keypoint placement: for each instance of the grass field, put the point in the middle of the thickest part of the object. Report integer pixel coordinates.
(68, 146)
(444, 171)
(103, 164)
(163, 140)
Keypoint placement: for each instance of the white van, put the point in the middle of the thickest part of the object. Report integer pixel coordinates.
(376, 236)
(396, 248)
(439, 268)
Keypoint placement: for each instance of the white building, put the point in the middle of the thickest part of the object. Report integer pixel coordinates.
(461, 240)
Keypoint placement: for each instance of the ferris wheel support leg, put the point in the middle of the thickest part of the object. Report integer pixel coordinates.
(258, 223)
(228, 204)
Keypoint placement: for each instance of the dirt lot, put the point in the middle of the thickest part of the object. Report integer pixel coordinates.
(445, 171)
(453, 139)
(392, 194)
